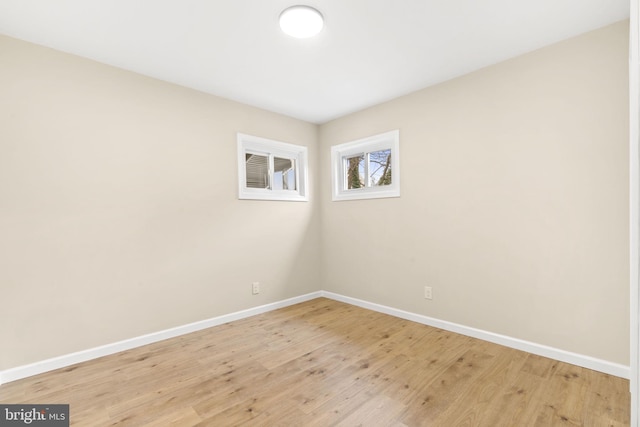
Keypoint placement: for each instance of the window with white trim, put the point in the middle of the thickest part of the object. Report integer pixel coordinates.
(271, 170)
(368, 168)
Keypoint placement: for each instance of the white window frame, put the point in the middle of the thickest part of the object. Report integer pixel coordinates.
(384, 141)
(268, 147)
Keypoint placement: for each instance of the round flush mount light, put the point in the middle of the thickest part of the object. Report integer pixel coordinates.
(301, 21)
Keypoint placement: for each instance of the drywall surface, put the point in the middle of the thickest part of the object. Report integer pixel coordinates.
(514, 200)
(118, 207)
(119, 214)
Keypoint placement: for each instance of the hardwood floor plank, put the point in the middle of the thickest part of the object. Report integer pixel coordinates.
(485, 390)
(381, 410)
(435, 398)
(564, 396)
(437, 357)
(517, 403)
(540, 366)
(340, 406)
(184, 417)
(325, 363)
(340, 385)
(609, 408)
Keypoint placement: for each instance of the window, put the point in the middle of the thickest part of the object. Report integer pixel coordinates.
(367, 168)
(271, 170)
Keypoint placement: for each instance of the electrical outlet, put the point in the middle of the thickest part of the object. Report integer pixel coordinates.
(427, 292)
(255, 288)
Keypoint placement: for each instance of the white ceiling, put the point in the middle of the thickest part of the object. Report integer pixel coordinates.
(369, 51)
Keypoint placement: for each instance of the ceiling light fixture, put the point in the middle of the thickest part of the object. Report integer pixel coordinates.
(301, 21)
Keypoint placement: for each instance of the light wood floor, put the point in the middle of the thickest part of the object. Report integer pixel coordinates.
(325, 363)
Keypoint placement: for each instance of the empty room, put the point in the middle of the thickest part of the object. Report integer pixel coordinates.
(415, 213)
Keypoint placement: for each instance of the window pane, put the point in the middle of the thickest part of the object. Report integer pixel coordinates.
(380, 168)
(284, 174)
(264, 163)
(367, 168)
(354, 168)
(257, 171)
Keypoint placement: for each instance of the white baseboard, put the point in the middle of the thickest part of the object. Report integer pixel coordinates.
(20, 372)
(25, 371)
(588, 362)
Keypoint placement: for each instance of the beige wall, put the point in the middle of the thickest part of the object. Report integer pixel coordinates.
(514, 202)
(118, 207)
(119, 214)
